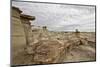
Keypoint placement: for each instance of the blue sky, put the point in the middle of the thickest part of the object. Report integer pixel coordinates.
(59, 17)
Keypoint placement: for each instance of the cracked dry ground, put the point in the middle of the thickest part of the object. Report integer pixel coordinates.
(72, 49)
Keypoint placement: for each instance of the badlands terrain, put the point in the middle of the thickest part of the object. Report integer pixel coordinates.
(58, 47)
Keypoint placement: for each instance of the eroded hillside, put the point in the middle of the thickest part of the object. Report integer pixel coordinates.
(41, 46)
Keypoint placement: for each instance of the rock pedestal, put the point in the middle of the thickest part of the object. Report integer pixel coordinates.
(25, 19)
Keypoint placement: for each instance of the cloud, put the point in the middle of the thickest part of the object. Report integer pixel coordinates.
(59, 17)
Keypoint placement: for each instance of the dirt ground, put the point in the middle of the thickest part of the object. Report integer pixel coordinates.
(78, 48)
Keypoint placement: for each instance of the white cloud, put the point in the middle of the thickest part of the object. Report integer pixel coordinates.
(59, 17)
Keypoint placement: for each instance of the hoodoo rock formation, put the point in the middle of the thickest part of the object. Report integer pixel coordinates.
(21, 34)
(17, 34)
(41, 46)
(25, 19)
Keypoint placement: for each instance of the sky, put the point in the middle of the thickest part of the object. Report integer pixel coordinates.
(60, 17)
